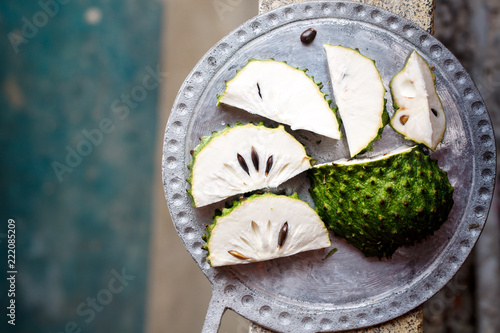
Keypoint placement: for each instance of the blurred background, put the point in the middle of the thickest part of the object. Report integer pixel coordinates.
(85, 89)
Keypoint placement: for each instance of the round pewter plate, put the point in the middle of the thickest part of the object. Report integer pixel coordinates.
(303, 293)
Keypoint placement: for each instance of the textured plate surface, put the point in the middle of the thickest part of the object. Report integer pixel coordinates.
(303, 293)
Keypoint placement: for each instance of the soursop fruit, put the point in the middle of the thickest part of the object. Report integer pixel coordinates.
(263, 227)
(275, 90)
(242, 159)
(383, 203)
(360, 96)
(420, 116)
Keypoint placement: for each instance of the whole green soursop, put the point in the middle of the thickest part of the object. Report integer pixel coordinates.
(380, 204)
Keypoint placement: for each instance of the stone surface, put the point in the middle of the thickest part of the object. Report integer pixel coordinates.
(420, 12)
(408, 323)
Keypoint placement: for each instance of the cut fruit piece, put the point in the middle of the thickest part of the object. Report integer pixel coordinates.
(264, 227)
(420, 116)
(277, 91)
(382, 203)
(241, 159)
(360, 96)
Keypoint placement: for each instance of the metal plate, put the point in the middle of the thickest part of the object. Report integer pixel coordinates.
(303, 293)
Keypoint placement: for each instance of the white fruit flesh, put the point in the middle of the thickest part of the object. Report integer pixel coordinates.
(251, 231)
(217, 172)
(359, 94)
(420, 116)
(277, 91)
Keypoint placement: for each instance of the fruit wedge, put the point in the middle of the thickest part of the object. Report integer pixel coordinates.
(359, 94)
(420, 116)
(264, 227)
(242, 159)
(277, 91)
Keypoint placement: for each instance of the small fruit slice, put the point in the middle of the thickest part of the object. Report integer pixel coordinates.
(264, 227)
(420, 116)
(241, 159)
(277, 91)
(382, 203)
(359, 94)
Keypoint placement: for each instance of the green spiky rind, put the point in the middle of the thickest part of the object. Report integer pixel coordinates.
(318, 84)
(227, 210)
(397, 107)
(204, 141)
(381, 205)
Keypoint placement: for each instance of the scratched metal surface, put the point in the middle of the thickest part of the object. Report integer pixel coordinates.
(303, 293)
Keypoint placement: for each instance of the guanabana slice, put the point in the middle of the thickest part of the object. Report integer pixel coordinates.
(382, 203)
(359, 94)
(241, 159)
(420, 116)
(277, 91)
(264, 227)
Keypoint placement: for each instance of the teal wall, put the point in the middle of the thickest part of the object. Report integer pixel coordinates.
(79, 96)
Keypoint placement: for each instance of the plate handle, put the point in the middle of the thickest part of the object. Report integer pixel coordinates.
(216, 309)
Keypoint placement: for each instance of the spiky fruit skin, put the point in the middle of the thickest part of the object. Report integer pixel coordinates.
(381, 205)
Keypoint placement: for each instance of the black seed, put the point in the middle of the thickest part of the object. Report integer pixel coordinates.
(368, 196)
(243, 163)
(255, 159)
(282, 235)
(258, 87)
(308, 36)
(372, 182)
(382, 202)
(389, 189)
(191, 152)
(434, 112)
(269, 164)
